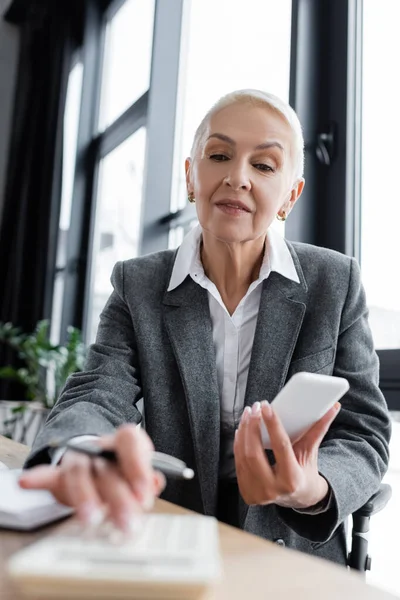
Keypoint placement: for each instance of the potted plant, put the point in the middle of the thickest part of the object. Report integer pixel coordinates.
(45, 368)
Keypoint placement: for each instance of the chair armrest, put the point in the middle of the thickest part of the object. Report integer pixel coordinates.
(376, 503)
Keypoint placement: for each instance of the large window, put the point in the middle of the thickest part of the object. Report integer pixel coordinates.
(152, 70)
(380, 208)
(120, 147)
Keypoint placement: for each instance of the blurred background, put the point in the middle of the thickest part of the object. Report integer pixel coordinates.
(99, 101)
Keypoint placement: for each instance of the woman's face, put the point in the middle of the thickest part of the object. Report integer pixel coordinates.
(243, 173)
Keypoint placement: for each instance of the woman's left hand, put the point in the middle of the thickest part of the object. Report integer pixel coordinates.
(293, 481)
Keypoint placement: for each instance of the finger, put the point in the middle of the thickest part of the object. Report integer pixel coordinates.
(280, 441)
(160, 483)
(315, 435)
(252, 433)
(238, 445)
(253, 448)
(107, 441)
(242, 471)
(40, 478)
(246, 412)
(134, 449)
(116, 494)
(78, 479)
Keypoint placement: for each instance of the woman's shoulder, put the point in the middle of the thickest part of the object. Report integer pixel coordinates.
(319, 254)
(156, 261)
(318, 263)
(315, 256)
(147, 272)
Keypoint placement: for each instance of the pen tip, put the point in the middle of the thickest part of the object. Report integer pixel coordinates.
(188, 473)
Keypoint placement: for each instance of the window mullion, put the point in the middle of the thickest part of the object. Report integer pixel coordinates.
(161, 124)
(125, 126)
(77, 249)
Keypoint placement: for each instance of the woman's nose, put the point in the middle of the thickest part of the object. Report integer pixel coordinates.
(238, 178)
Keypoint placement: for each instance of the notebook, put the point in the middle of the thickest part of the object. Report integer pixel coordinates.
(25, 510)
(172, 556)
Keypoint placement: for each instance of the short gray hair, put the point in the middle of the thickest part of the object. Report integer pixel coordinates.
(258, 98)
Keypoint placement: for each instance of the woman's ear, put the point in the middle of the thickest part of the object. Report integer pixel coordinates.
(299, 187)
(295, 194)
(188, 171)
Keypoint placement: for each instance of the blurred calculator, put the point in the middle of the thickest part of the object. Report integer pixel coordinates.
(173, 556)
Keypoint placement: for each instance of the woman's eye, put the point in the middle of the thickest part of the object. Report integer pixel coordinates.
(263, 167)
(219, 157)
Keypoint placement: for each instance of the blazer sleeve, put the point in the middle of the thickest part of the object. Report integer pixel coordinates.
(354, 454)
(104, 395)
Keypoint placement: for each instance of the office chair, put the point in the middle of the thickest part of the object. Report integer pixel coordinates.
(358, 557)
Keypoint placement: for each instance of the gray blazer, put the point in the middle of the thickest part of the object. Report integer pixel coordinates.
(158, 345)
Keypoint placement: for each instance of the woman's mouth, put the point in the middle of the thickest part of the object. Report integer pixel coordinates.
(232, 208)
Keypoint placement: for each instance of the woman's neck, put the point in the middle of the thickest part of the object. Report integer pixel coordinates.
(231, 267)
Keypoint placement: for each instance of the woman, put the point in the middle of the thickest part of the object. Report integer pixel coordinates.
(207, 332)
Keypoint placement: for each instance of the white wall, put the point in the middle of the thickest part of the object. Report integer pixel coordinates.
(9, 50)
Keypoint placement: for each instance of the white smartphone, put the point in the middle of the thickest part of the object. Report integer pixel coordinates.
(303, 401)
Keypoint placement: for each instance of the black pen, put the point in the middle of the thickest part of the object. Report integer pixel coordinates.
(168, 465)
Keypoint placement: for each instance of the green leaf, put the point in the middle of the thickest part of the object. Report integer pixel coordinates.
(19, 409)
(41, 357)
(8, 373)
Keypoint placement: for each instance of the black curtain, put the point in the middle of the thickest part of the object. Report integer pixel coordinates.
(51, 31)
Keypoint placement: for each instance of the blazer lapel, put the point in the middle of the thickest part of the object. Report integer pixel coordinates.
(188, 322)
(281, 313)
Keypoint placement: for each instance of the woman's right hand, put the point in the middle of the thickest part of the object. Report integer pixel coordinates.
(95, 487)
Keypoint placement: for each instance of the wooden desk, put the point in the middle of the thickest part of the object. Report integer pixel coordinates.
(253, 568)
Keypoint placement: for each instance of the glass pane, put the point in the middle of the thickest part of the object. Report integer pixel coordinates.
(230, 48)
(70, 132)
(117, 222)
(127, 58)
(380, 166)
